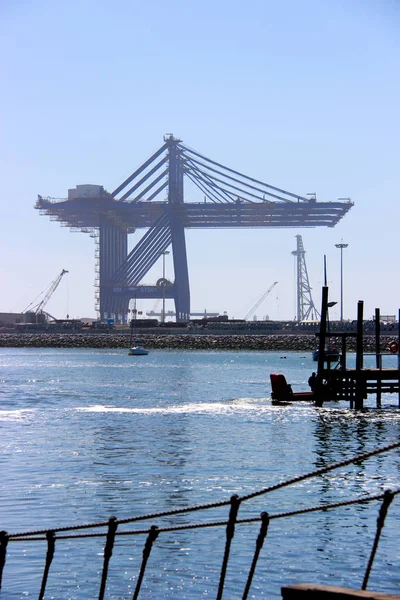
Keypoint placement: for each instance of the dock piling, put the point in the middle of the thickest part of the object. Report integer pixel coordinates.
(398, 351)
(321, 348)
(378, 355)
(354, 384)
(359, 400)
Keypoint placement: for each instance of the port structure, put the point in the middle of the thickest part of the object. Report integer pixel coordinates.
(153, 198)
(306, 310)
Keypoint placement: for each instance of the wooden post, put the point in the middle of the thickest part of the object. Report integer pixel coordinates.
(321, 348)
(343, 362)
(378, 355)
(359, 403)
(398, 355)
(343, 358)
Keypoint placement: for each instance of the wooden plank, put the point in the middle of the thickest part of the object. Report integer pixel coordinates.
(310, 591)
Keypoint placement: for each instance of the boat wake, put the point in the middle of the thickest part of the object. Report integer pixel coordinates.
(196, 407)
(14, 415)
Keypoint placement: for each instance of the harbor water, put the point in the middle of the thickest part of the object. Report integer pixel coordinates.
(87, 434)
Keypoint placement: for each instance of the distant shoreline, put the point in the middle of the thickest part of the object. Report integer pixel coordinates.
(286, 343)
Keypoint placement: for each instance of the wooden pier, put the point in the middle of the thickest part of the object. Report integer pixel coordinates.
(354, 385)
(304, 591)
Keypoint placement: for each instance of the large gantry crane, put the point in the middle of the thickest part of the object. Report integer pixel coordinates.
(152, 198)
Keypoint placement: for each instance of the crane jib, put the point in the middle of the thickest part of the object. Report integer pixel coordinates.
(269, 290)
(53, 286)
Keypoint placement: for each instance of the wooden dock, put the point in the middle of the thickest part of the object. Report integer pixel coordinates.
(306, 591)
(354, 385)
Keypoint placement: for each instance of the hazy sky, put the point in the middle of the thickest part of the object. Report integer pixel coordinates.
(302, 95)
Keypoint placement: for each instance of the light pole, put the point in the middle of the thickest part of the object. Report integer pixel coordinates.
(163, 286)
(341, 246)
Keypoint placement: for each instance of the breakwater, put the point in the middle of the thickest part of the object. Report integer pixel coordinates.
(284, 343)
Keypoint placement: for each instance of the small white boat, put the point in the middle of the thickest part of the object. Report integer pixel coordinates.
(138, 351)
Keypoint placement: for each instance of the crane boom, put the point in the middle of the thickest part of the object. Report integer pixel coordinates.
(50, 292)
(269, 290)
(53, 286)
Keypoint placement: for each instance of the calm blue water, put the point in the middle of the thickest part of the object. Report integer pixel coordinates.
(86, 434)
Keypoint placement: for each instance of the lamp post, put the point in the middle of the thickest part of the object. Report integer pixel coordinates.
(341, 246)
(163, 286)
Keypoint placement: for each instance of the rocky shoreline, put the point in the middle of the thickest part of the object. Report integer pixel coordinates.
(285, 343)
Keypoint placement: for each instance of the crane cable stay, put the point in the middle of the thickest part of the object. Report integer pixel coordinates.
(263, 297)
(40, 306)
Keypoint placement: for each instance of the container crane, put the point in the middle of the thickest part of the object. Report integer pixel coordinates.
(38, 309)
(269, 290)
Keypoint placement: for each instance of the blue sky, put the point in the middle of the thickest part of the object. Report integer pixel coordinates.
(304, 96)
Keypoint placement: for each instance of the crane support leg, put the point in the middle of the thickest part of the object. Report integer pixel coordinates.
(175, 202)
(113, 249)
(182, 290)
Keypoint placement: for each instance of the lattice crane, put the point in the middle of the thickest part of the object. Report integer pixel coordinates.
(306, 310)
(267, 293)
(53, 286)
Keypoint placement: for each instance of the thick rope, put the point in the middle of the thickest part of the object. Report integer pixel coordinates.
(387, 499)
(112, 529)
(51, 541)
(230, 532)
(297, 479)
(324, 507)
(230, 528)
(151, 538)
(3, 552)
(322, 471)
(292, 513)
(259, 544)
